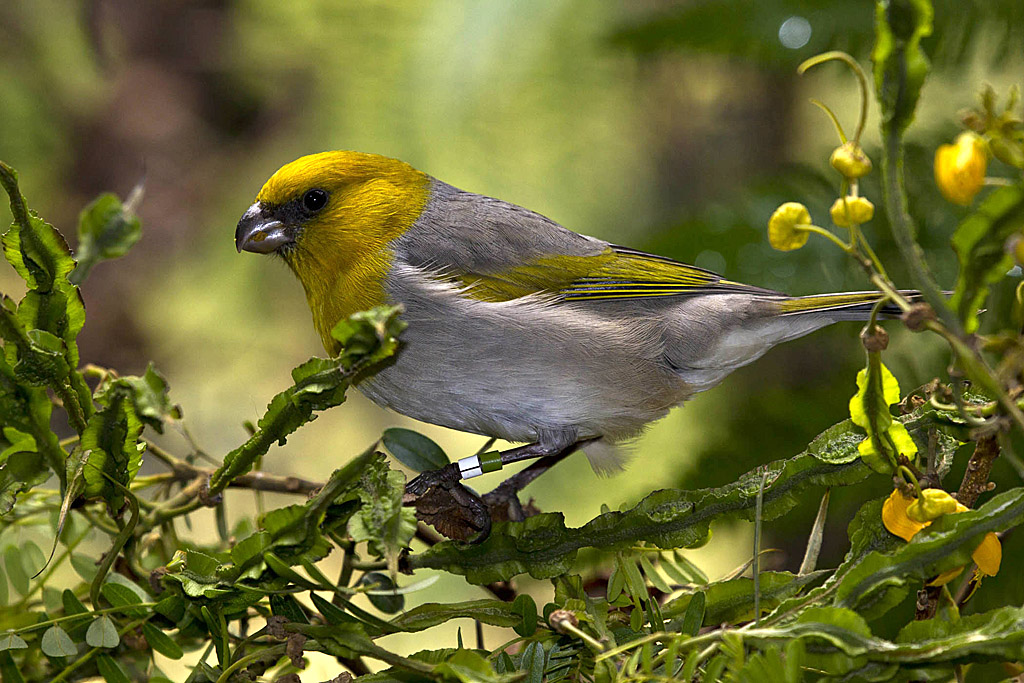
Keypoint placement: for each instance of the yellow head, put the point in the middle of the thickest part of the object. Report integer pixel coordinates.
(331, 216)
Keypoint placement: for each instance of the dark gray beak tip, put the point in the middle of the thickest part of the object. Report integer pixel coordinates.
(259, 233)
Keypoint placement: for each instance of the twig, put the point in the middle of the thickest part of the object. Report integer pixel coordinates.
(979, 467)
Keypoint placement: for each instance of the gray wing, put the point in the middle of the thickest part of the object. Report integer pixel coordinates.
(470, 233)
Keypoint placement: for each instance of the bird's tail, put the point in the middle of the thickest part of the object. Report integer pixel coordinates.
(845, 306)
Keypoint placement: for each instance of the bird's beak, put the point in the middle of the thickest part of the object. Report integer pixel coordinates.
(260, 233)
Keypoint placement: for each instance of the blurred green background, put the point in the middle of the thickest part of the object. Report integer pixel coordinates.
(675, 127)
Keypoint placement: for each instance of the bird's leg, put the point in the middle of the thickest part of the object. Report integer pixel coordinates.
(441, 500)
(503, 500)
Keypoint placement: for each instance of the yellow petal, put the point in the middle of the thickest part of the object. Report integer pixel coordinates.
(988, 555)
(945, 577)
(894, 516)
(960, 168)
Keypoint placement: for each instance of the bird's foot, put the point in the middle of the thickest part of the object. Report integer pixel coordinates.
(442, 501)
(503, 504)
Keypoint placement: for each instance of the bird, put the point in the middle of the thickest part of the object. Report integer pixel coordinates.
(518, 328)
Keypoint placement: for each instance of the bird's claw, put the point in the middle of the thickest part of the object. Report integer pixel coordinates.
(443, 502)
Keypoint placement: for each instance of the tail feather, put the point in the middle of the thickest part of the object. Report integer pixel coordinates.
(844, 306)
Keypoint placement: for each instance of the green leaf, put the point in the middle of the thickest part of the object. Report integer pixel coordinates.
(102, 633)
(9, 671)
(120, 595)
(414, 450)
(381, 520)
(36, 249)
(12, 641)
(466, 666)
(161, 642)
(524, 606)
(111, 670)
(341, 640)
(25, 411)
(292, 533)
(493, 612)
(287, 606)
(332, 613)
(111, 439)
(533, 663)
(84, 566)
(762, 667)
(379, 596)
(42, 258)
(172, 607)
(107, 229)
(635, 583)
(365, 340)
(57, 643)
(73, 606)
(32, 558)
(693, 617)
(652, 575)
(900, 65)
(149, 396)
(980, 245)
(279, 567)
(16, 570)
(830, 631)
(733, 600)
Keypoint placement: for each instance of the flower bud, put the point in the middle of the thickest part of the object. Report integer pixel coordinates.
(1008, 151)
(850, 160)
(960, 168)
(876, 339)
(918, 316)
(849, 211)
(561, 618)
(930, 505)
(784, 227)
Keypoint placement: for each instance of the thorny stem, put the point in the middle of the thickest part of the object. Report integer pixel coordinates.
(903, 229)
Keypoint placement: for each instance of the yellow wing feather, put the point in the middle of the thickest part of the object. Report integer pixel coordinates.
(616, 273)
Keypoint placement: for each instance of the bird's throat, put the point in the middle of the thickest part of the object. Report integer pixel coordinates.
(335, 289)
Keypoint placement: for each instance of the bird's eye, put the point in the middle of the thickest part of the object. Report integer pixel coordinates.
(314, 200)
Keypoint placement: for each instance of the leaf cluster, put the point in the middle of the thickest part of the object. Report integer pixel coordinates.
(254, 603)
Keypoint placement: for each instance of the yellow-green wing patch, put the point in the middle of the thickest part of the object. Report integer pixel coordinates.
(551, 274)
(615, 273)
(636, 274)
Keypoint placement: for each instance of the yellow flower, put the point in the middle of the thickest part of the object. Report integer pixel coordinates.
(988, 555)
(960, 168)
(849, 211)
(850, 160)
(785, 231)
(895, 519)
